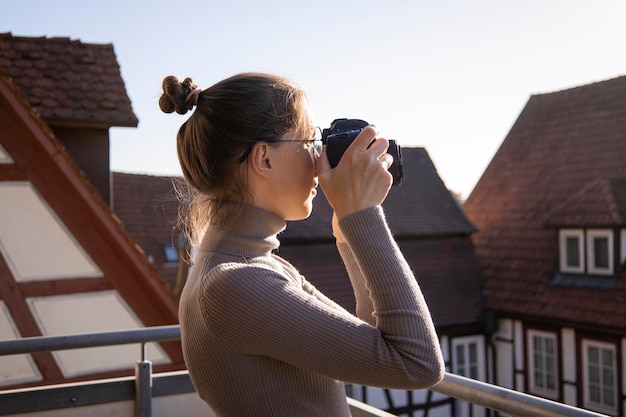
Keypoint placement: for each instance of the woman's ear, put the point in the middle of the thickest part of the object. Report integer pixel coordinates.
(260, 159)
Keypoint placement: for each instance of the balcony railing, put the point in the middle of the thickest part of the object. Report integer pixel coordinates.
(145, 386)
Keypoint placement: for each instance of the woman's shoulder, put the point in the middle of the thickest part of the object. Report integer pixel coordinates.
(238, 276)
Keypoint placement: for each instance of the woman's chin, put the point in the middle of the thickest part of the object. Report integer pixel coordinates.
(302, 214)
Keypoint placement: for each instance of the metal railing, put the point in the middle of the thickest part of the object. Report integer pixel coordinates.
(147, 385)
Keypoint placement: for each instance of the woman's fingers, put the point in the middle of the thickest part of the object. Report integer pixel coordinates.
(361, 178)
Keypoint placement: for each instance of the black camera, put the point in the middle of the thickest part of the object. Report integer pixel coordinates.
(340, 135)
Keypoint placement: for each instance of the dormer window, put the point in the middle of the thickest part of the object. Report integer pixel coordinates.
(571, 250)
(600, 252)
(586, 251)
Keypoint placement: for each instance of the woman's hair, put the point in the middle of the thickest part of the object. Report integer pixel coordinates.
(229, 117)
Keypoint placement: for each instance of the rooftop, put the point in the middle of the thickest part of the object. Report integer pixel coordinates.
(561, 164)
(67, 81)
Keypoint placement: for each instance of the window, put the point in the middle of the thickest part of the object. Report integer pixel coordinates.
(600, 376)
(589, 251)
(600, 251)
(468, 357)
(542, 363)
(571, 250)
(171, 253)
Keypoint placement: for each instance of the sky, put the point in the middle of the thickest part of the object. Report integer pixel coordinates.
(451, 76)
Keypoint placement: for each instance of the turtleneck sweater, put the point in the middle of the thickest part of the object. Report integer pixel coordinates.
(260, 340)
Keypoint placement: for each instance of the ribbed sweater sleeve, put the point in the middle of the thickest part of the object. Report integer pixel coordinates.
(364, 306)
(399, 306)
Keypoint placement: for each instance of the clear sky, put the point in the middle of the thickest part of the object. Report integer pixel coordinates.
(451, 76)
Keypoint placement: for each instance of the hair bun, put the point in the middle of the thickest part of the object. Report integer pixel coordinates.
(178, 96)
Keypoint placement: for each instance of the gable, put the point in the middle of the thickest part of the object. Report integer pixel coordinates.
(601, 203)
(66, 264)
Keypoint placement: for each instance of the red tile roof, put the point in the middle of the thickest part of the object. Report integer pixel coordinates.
(148, 209)
(600, 203)
(562, 164)
(67, 81)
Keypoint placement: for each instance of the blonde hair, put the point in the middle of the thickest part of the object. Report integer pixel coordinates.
(229, 117)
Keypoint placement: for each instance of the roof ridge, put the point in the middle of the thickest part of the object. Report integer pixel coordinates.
(580, 86)
(45, 38)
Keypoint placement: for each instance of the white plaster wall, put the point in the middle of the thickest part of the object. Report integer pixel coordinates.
(519, 355)
(568, 362)
(14, 369)
(89, 313)
(35, 243)
(568, 354)
(5, 158)
(503, 340)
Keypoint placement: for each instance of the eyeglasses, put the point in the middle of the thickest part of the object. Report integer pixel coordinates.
(315, 143)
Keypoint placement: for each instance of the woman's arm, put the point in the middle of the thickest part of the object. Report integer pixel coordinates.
(272, 316)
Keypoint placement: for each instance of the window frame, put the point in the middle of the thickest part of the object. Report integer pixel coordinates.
(586, 383)
(465, 342)
(591, 235)
(533, 387)
(586, 251)
(564, 234)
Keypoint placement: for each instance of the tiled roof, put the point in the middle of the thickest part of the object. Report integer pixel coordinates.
(420, 206)
(563, 162)
(67, 81)
(148, 209)
(601, 203)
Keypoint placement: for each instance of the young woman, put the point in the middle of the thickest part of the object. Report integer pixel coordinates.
(258, 338)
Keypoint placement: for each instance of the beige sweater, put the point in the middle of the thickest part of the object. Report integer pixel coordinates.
(259, 340)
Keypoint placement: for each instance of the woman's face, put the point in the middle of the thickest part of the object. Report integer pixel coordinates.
(297, 174)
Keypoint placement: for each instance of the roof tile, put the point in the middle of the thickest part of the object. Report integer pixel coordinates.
(68, 81)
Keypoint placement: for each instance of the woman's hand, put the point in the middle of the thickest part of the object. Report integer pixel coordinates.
(361, 178)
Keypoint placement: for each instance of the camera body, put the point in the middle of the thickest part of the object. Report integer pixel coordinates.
(340, 135)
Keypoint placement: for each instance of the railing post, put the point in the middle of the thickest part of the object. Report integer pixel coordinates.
(143, 385)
